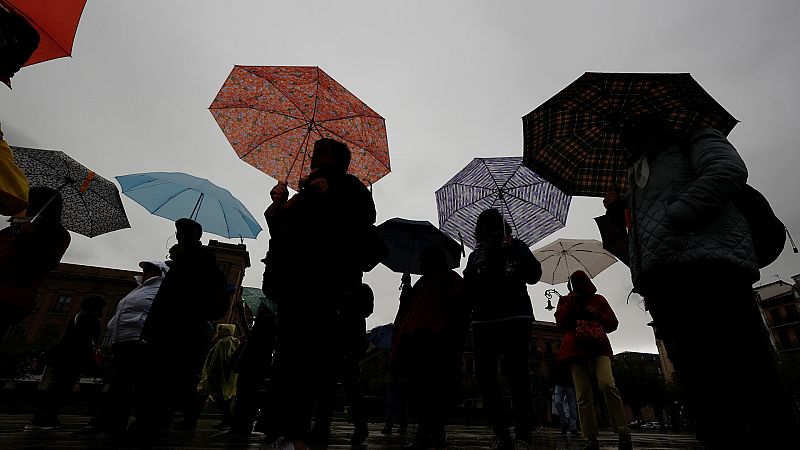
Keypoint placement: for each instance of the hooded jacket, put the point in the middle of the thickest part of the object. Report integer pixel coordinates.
(681, 201)
(131, 312)
(583, 303)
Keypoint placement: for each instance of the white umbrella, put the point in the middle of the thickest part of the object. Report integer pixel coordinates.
(562, 257)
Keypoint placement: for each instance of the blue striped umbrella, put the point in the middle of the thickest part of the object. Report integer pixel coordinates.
(533, 207)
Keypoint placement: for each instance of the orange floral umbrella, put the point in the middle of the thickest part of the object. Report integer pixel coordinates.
(272, 115)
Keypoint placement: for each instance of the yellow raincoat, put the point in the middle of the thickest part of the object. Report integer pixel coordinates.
(218, 378)
(13, 183)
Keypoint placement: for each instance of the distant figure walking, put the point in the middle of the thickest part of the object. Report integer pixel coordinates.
(218, 379)
(495, 279)
(583, 306)
(73, 356)
(565, 399)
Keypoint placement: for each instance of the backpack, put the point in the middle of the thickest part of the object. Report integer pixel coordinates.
(767, 231)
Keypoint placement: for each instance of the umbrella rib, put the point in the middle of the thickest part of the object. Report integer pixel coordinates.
(348, 117)
(277, 89)
(169, 199)
(316, 98)
(303, 144)
(224, 217)
(589, 272)
(474, 201)
(255, 108)
(42, 30)
(270, 138)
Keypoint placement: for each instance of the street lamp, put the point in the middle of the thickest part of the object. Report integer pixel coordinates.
(549, 294)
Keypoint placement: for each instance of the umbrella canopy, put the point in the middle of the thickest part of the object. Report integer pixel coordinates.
(92, 205)
(573, 139)
(407, 238)
(562, 257)
(272, 115)
(55, 20)
(174, 195)
(533, 207)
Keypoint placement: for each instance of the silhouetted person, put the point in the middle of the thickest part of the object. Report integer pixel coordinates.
(29, 249)
(431, 327)
(693, 261)
(177, 333)
(73, 356)
(496, 278)
(253, 365)
(218, 379)
(316, 257)
(125, 328)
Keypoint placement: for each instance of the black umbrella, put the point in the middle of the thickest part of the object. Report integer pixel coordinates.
(92, 205)
(407, 238)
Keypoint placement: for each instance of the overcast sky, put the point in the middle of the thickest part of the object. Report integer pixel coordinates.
(452, 79)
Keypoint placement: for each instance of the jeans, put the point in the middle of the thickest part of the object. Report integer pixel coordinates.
(569, 418)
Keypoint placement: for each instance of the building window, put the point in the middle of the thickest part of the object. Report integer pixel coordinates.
(17, 334)
(783, 338)
(775, 316)
(548, 349)
(791, 312)
(61, 305)
(37, 302)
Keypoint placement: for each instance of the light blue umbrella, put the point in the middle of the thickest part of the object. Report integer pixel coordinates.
(174, 195)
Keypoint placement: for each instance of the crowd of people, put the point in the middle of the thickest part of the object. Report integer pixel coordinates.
(168, 355)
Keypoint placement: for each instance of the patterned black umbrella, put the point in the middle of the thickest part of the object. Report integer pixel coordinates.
(92, 205)
(572, 139)
(532, 207)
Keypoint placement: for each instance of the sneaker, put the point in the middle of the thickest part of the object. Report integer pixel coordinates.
(43, 426)
(625, 442)
(282, 444)
(502, 444)
(519, 444)
(593, 444)
(359, 436)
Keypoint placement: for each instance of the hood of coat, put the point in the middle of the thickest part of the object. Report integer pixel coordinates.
(581, 284)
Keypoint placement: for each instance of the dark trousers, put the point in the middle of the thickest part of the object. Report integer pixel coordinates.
(716, 338)
(116, 405)
(253, 368)
(397, 403)
(303, 359)
(66, 372)
(351, 341)
(511, 339)
(170, 374)
(434, 381)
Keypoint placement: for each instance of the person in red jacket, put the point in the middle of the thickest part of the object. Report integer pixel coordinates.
(583, 303)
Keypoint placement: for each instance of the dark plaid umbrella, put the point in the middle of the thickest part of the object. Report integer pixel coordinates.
(407, 238)
(92, 205)
(572, 139)
(533, 207)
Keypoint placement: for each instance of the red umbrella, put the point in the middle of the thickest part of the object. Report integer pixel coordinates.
(272, 115)
(55, 20)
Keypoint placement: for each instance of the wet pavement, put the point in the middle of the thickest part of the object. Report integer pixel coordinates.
(14, 436)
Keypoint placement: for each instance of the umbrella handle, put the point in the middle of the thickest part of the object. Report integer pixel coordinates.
(48, 203)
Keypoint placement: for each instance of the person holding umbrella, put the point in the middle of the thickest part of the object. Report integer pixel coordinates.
(30, 247)
(318, 252)
(495, 279)
(427, 343)
(693, 261)
(585, 357)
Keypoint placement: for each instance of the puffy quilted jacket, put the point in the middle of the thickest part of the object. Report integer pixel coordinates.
(684, 213)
